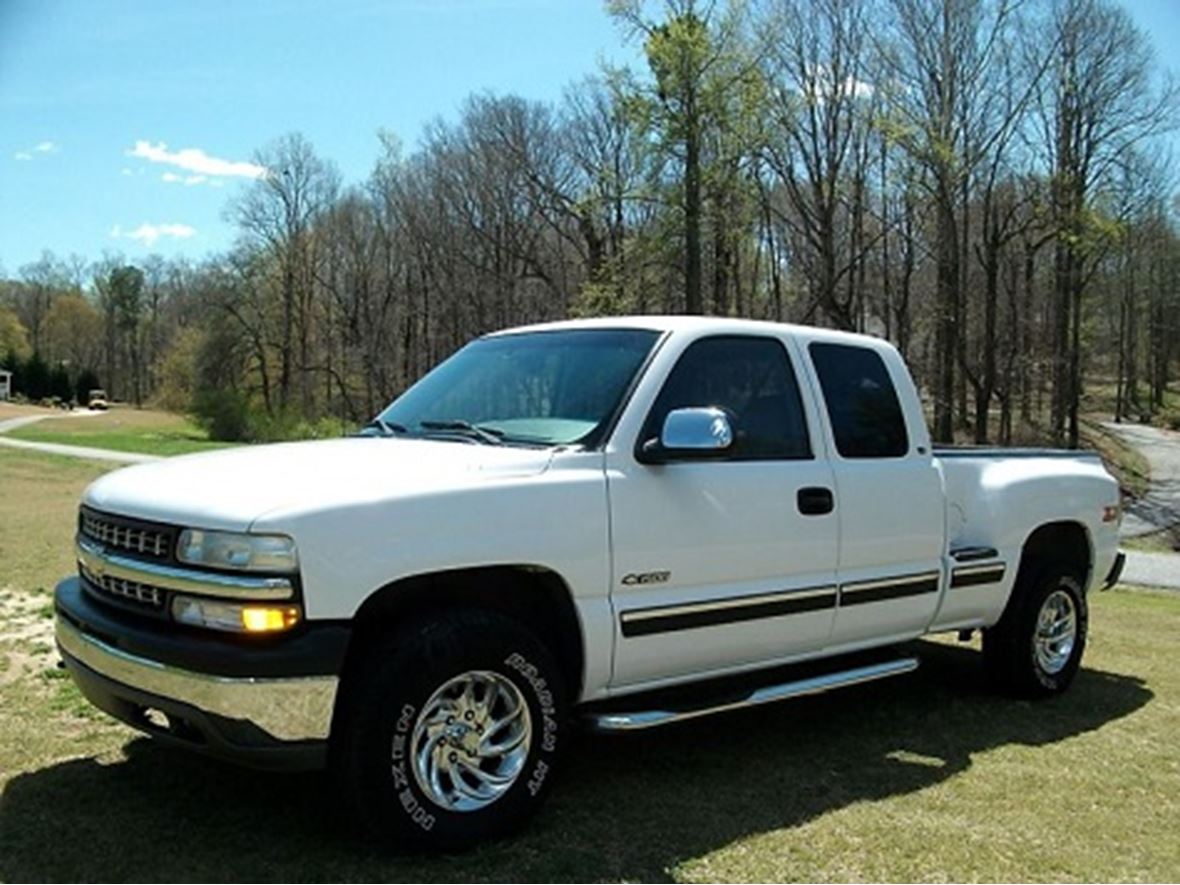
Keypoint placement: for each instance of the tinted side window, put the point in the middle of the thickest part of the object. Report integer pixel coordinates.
(862, 403)
(753, 380)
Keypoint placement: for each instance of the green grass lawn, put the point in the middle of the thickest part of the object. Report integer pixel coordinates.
(927, 777)
(125, 430)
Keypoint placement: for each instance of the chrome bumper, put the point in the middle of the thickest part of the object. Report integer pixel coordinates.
(291, 709)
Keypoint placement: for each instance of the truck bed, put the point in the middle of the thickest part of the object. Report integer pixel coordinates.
(967, 451)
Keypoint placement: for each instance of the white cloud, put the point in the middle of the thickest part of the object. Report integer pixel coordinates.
(42, 147)
(195, 160)
(147, 234)
(188, 180)
(125, 171)
(819, 85)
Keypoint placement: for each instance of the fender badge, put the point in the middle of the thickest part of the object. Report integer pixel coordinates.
(634, 579)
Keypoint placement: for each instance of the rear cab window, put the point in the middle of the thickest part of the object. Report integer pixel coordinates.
(861, 401)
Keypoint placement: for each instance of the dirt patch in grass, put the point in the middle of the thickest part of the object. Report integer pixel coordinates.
(26, 636)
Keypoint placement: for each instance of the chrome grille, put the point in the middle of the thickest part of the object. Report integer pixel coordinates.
(126, 535)
(124, 590)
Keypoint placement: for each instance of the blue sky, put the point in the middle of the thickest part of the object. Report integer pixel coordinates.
(84, 82)
(128, 126)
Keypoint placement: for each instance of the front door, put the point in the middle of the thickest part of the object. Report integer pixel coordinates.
(716, 566)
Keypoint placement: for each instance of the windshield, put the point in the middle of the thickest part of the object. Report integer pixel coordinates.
(532, 388)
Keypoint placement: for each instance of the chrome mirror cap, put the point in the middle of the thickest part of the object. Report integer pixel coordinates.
(696, 430)
(689, 434)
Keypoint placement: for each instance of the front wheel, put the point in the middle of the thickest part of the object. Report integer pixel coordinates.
(1036, 648)
(451, 731)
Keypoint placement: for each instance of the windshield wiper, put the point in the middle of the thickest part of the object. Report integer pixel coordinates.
(387, 428)
(488, 435)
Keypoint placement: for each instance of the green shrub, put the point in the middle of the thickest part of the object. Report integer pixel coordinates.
(224, 414)
(231, 416)
(289, 425)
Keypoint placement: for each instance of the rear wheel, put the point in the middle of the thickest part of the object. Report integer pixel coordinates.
(451, 729)
(1036, 648)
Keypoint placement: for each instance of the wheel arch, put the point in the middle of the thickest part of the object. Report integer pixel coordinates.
(1008, 645)
(536, 596)
(1064, 541)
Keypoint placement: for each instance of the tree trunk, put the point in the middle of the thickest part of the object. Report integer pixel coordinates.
(945, 327)
(692, 209)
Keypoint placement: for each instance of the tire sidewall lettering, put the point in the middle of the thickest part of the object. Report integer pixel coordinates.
(376, 756)
(405, 792)
(541, 691)
(399, 751)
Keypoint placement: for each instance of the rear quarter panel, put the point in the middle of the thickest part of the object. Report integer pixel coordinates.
(999, 501)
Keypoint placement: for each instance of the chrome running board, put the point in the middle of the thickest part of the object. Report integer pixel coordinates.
(634, 720)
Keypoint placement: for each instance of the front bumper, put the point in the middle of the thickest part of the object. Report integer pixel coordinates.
(263, 705)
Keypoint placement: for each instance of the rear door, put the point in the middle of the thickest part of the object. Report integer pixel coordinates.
(889, 494)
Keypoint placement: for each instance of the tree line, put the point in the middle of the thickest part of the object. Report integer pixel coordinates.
(982, 182)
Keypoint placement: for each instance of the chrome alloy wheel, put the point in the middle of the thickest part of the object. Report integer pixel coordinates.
(471, 740)
(1056, 632)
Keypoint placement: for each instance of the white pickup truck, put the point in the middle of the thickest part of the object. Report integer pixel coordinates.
(571, 522)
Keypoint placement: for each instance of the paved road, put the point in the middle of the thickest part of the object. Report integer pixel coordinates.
(87, 452)
(1158, 509)
(1152, 569)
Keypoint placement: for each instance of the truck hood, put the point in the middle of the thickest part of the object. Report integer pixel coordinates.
(230, 489)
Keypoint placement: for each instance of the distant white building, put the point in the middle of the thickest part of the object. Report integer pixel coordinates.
(5, 385)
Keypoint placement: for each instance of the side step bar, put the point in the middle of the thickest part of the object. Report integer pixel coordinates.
(634, 720)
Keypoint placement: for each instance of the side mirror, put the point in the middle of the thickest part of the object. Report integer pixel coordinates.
(690, 434)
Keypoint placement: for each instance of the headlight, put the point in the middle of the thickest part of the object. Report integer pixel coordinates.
(241, 552)
(234, 617)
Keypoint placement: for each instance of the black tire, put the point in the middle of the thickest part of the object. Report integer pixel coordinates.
(384, 707)
(1010, 648)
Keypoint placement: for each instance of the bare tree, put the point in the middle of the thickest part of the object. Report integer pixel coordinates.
(939, 63)
(820, 95)
(1098, 103)
(278, 214)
